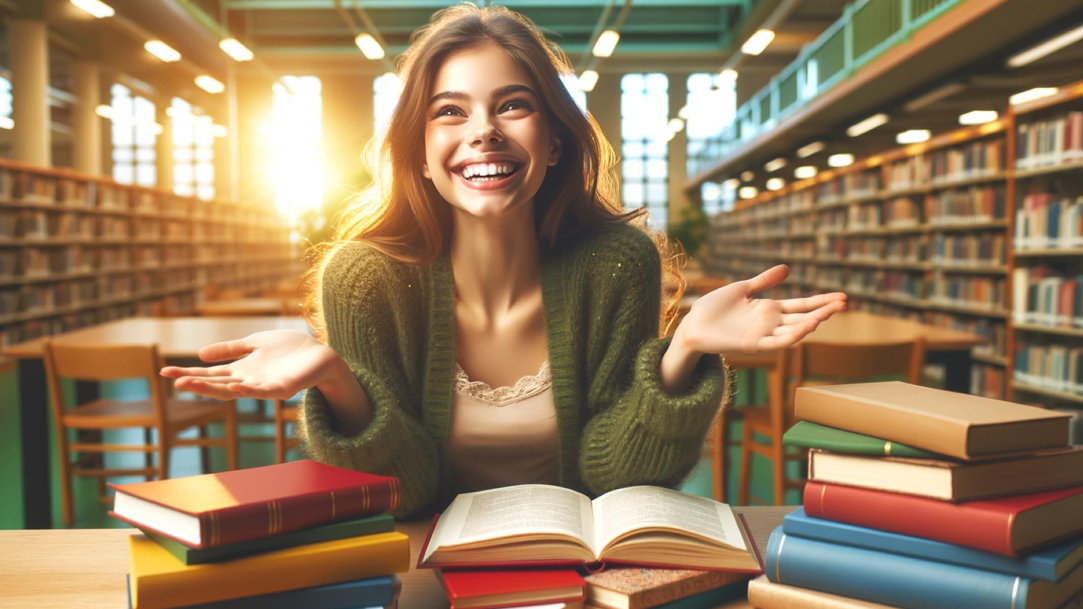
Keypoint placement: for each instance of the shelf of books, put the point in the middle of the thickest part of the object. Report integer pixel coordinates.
(78, 249)
(918, 232)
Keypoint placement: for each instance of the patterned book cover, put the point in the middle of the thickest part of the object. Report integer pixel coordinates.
(642, 587)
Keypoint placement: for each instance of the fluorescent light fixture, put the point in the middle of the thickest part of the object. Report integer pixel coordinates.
(684, 112)
(867, 125)
(805, 172)
(937, 94)
(157, 128)
(757, 42)
(96, 8)
(1052, 45)
(606, 43)
(774, 165)
(162, 51)
(729, 75)
(675, 125)
(104, 111)
(913, 136)
(587, 80)
(6, 122)
(840, 160)
(711, 191)
(236, 50)
(731, 183)
(369, 47)
(209, 83)
(810, 149)
(747, 176)
(1031, 95)
(978, 117)
(747, 192)
(219, 130)
(775, 184)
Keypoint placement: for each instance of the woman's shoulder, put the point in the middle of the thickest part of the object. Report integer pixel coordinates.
(622, 243)
(353, 262)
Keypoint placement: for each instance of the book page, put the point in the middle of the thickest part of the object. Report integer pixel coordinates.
(514, 510)
(628, 509)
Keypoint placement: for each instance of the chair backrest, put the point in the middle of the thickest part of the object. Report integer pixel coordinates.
(103, 362)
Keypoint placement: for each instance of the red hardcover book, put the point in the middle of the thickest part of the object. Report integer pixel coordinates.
(213, 510)
(1010, 526)
(490, 588)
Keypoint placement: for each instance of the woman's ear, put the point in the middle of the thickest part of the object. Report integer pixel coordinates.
(425, 171)
(555, 148)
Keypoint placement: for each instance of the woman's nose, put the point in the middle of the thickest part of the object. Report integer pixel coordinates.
(486, 131)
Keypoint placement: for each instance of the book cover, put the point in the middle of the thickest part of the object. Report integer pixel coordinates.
(906, 581)
(807, 434)
(494, 588)
(1049, 563)
(211, 510)
(951, 480)
(159, 581)
(766, 594)
(643, 587)
(958, 425)
(1009, 525)
(373, 592)
(369, 525)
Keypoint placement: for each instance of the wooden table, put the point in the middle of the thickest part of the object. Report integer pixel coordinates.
(85, 568)
(178, 340)
(241, 307)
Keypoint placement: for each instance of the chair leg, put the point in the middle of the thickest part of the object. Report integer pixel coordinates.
(744, 477)
(66, 503)
(280, 432)
(204, 451)
(163, 455)
(148, 458)
(720, 454)
(231, 436)
(778, 452)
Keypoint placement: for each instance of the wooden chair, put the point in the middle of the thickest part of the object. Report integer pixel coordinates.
(166, 415)
(811, 363)
(285, 415)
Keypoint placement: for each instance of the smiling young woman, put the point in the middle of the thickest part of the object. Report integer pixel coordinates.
(488, 313)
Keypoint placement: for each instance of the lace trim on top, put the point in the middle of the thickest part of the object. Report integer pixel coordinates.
(502, 396)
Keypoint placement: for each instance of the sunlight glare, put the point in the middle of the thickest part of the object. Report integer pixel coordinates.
(296, 134)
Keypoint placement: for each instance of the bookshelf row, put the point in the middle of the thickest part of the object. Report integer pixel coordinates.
(980, 230)
(76, 250)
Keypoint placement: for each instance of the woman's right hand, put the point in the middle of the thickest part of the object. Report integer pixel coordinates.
(274, 364)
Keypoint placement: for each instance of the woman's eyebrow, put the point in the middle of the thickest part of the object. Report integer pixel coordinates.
(498, 92)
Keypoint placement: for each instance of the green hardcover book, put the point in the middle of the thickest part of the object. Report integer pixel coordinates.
(370, 525)
(807, 434)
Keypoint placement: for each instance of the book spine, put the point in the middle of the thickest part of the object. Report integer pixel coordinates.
(765, 594)
(955, 523)
(891, 579)
(245, 522)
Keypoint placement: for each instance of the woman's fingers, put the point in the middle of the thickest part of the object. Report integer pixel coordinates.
(768, 279)
(228, 350)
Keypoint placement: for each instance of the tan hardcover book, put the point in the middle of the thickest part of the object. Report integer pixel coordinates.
(951, 480)
(765, 594)
(958, 425)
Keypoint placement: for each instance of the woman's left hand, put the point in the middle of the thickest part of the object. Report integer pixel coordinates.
(732, 319)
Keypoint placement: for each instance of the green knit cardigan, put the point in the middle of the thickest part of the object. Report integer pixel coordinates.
(393, 323)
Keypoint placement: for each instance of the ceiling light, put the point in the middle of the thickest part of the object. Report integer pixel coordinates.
(912, 136)
(1031, 95)
(731, 183)
(104, 111)
(805, 172)
(978, 117)
(587, 80)
(1052, 45)
(810, 149)
(675, 125)
(6, 122)
(157, 128)
(775, 184)
(867, 125)
(162, 50)
(937, 94)
(369, 47)
(684, 112)
(219, 130)
(236, 50)
(729, 75)
(747, 176)
(840, 160)
(95, 8)
(757, 42)
(606, 43)
(210, 84)
(747, 192)
(774, 165)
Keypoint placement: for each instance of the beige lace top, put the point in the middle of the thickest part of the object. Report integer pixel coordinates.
(503, 435)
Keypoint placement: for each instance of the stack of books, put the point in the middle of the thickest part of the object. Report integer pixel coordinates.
(925, 499)
(296, 534)
(633, 548)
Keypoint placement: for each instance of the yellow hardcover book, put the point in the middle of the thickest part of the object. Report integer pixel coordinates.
(157, 580)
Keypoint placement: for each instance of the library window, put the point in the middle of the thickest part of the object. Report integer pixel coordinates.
(135, 134)
(386, 89)
(296, 149)
(571, 83)
(5, 104)
(644, 109)
(711, 106)
(193, 151)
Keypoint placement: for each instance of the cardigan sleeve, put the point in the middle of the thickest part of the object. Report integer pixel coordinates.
(638, 432)
(373, 326)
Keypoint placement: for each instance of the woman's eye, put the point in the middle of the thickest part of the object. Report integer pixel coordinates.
(447, 111)
(517, 104)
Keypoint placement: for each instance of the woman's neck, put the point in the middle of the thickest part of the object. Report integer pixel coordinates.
(495, 263)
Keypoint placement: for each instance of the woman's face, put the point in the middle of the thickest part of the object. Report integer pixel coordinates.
(487, 139)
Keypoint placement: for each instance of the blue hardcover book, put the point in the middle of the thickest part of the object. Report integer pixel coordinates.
(1050, 563)
(709, 598)
(372, 592)
(905, 581)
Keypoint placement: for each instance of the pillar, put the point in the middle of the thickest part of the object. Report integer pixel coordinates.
(86, 124)
(29, 53)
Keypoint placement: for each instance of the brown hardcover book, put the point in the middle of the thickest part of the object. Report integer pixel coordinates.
(643, 587)
(765, 594)
(958, 425)
(951, 480)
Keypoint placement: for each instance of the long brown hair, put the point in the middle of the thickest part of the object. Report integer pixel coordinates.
(403, 215)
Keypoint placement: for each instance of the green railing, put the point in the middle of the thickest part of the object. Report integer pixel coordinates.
(866, 29)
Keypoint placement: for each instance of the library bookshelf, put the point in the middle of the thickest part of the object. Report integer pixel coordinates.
(978, 229)
(76, 250)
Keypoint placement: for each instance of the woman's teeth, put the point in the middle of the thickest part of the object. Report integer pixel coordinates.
(487, 171)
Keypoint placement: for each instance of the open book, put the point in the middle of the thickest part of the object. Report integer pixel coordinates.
(542, 524)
